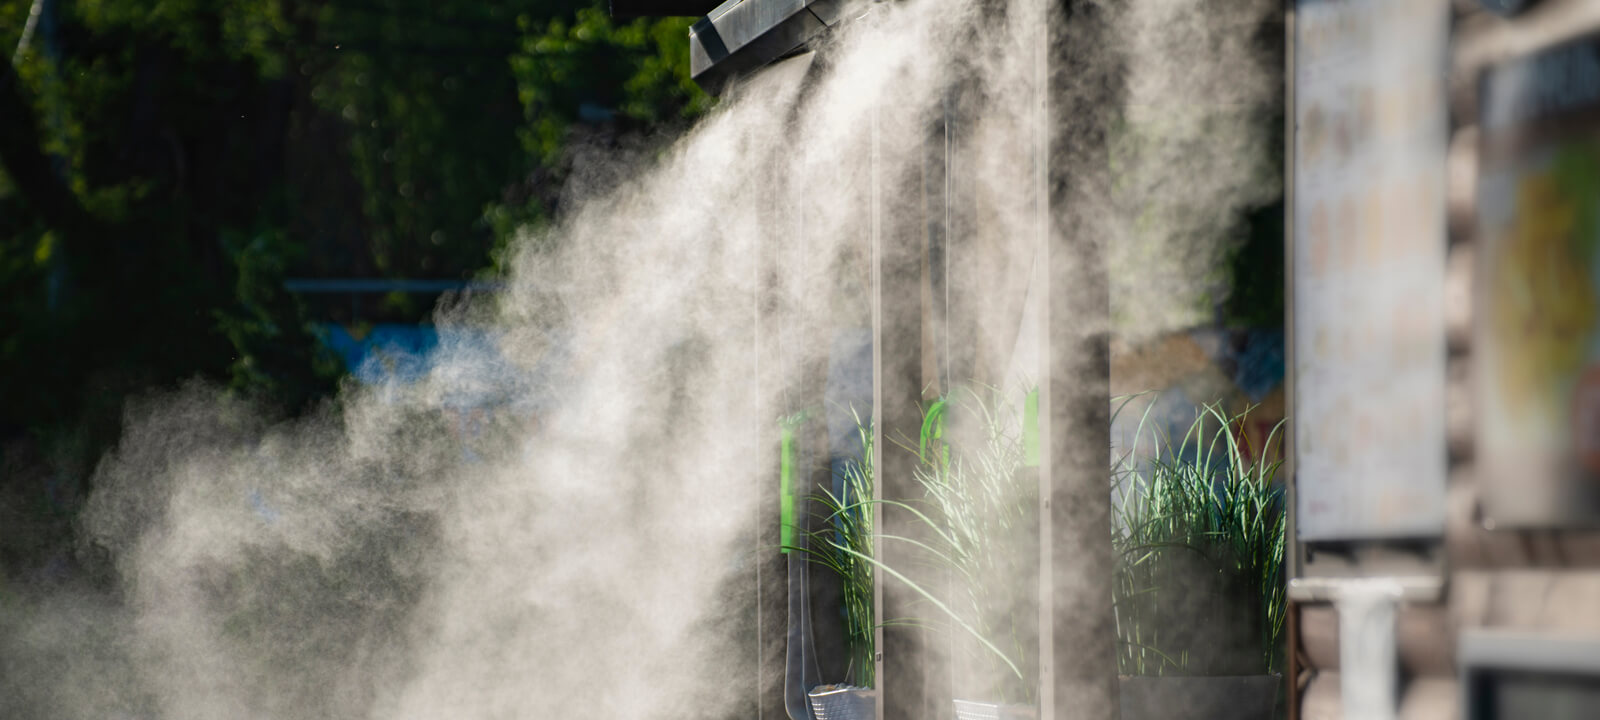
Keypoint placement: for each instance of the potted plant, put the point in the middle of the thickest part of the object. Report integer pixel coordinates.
(1198, 587)
(1199, 590)
(844, 547)
(976, 512)
(980, 507)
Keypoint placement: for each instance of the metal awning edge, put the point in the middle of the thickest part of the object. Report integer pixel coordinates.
(741, 35)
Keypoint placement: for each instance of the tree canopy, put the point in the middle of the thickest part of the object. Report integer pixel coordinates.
(165, 166)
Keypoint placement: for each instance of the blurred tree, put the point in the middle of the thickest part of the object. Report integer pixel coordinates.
(611, 80)
(165, 166)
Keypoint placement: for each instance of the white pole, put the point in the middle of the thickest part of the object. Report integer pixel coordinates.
(1368, 665)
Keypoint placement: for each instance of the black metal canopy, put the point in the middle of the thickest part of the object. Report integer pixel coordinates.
(739, 36)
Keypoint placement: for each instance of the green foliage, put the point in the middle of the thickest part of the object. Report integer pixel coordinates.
(844, 547)
(974, 516)
(1200, 540)
(272, 353)
(585, 79)
(164, 166)
(982, 514)
(1199, 585)
(422, 99)
(568, 67)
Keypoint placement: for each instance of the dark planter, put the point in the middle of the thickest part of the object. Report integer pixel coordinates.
(1239, 697)
(1206, 612)
(1243, 697)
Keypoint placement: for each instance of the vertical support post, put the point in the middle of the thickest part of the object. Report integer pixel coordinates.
(771, 566)
(896, 417)
(1291, 546)
(826, 589)
(1077, 630)
(964, 299)
(1292, 660)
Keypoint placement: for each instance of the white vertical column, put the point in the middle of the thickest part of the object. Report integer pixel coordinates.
(1368, 665)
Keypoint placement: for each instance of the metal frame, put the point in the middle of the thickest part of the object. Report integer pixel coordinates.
(1525, 650)
(1482, 652)
(1077, 629)
(1292, 563)
(896, 389)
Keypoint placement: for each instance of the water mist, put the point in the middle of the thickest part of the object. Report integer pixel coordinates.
(592, 554)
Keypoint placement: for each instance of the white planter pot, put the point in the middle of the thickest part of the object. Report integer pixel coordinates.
(970, 710)
(844, 703)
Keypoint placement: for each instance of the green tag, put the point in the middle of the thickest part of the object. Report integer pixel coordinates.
(1030, 429)
(786, 486)
(932, 437)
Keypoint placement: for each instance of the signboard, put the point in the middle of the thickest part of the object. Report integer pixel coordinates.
(1537, 334)
(1368, 267)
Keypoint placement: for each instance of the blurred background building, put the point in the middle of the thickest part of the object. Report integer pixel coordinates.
(1443, 338)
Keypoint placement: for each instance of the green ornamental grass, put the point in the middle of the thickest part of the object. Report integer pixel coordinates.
(844, 547)
(1198, 537)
